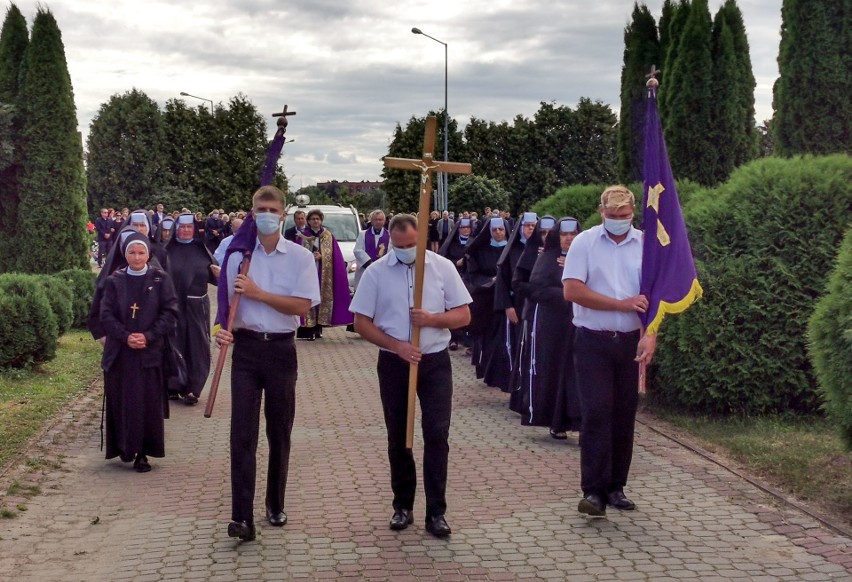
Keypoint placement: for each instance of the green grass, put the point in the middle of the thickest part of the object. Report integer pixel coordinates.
(804, 457)
(29, 398)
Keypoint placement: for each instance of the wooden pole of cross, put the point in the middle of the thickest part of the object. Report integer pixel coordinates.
(426, 166)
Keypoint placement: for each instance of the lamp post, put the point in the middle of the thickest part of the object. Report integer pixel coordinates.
(183, 94)
(445, 198)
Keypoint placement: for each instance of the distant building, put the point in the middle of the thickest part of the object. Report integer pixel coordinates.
(331, 188)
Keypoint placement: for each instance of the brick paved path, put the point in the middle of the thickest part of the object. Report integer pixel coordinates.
(512, 499)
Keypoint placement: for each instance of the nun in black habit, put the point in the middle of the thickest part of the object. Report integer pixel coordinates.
(454, 248)
(138, 312)
(500, 374)
(486, 325)
(551, 398)
(189, 266)
(137, 222)
(521, 290)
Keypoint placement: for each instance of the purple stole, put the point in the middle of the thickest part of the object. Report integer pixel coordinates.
(370, 243)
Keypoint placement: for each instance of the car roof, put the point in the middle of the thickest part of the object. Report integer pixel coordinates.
(326, 208)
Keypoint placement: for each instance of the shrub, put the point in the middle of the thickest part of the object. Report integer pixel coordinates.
(28, 329)
(83, 285)
(60, 295)
(765, 242)
(830, 342)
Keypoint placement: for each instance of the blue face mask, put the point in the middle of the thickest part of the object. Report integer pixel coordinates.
(502, 243)
(267, 222)
(617, 227)
(406, 256)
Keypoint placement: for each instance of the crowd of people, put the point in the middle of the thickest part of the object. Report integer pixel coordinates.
(547, 313)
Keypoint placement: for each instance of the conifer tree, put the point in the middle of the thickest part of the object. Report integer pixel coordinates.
(726, 131)
(669, 8)
(52, 209)
(811, 97)
(641, 50)
(747, 138)
(674, 31)
(690, 100)
(14, 38)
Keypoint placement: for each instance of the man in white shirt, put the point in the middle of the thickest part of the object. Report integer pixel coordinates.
(601, 277)
(219, 255)
(280, 286)
(384, 316)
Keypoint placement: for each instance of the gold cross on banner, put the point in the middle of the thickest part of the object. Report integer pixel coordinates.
(426, 166)
(134, 308)
(654, 202)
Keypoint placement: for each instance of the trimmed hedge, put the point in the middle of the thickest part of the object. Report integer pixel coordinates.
(764, 242)
(28, 328)
(581, 201)
(830, 342)
(83, 284)
(60, 294)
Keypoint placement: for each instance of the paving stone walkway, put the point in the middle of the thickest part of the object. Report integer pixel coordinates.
(512, 498)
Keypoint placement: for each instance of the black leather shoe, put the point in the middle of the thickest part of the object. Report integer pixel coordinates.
(276, 518)
(438, 526)
(592, 505)
(141, 464)
(619, 501)
(401, 519)
(190, 399)
(242, 530)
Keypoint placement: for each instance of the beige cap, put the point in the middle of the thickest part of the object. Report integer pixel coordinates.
(616, 197)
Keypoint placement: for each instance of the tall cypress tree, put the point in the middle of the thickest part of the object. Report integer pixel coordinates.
(725, 130)
(669, 8)
(52, 210)
(811, 97)
(746, 139)
(674, 32)
(641, 50)
(14, 38)
(690, 89)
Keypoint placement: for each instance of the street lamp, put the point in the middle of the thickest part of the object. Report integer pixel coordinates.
(183, 94)
(445, 199)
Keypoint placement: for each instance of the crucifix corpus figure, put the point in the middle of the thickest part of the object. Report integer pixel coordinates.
(426, 166)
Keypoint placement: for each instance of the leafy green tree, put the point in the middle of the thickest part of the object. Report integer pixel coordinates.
(474, 193)
(811, 97)
(14, 38)
(641, 50)
(53, 186)
(242, 143)
(125, 162)
(690, 100)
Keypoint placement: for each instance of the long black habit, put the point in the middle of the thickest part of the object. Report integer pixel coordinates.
(136, 402)
(189, 268)
(521, 288)
(486, 325)
(551, 398)
(454, 248)
(115, 260)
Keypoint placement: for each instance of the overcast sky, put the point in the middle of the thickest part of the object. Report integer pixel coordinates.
(353, 69)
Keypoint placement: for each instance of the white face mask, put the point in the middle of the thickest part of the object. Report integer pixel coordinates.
(406, 256)
(617, 227)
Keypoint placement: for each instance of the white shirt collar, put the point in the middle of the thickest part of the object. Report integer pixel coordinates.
(280, 247)
(393, 260)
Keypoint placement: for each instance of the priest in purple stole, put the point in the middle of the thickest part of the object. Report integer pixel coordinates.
(334, 283)
(372, 244)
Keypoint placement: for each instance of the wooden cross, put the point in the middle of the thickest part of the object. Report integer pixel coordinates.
(283, 115)
(426, 166)
(134, 308)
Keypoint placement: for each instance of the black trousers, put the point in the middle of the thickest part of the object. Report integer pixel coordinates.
(607, 379)
(435, 390)
(259, 366)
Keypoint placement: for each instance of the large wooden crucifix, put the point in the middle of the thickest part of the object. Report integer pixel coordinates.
(426, 166)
